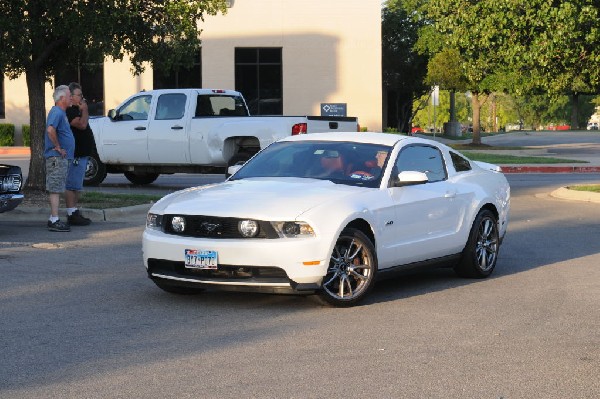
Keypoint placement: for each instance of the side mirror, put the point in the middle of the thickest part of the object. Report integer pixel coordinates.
(112, 114)
(410, 178)
(234, 168)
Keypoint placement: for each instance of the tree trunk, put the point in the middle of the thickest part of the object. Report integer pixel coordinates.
(476, 113)
(36, 180)
(575, 112)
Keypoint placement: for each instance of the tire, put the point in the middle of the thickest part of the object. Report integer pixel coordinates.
(481, 252)
(175, 289)
(241, 157)
(352, 269)
(95, 171)
(141, 178)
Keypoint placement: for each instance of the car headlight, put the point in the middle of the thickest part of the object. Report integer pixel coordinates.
(248, 228)
(11, 183)
(293, 229)
(154, 221)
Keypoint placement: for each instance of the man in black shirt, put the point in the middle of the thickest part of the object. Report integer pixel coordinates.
(78, 116)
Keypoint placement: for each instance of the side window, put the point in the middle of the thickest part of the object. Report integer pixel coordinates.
(460, 164)
(424, 159)
(135, 109)
(170, 106)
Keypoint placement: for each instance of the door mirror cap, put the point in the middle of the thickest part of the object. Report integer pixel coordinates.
(410, 178)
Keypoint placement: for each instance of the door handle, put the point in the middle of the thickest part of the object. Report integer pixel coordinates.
(140, 128)
(176, 127)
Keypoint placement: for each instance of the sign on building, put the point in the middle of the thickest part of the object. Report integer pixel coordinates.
(333, 109)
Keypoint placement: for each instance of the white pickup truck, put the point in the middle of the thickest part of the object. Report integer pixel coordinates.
(189, 131)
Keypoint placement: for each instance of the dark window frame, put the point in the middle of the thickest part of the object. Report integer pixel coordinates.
(265, 59)
(91, 81)
(2, 104)
(171, 80)
(429, 173)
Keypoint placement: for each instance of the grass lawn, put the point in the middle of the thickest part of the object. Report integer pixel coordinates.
(101, 200)
(594, 188)
(511, 159)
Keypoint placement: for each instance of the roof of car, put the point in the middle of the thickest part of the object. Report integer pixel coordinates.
(359, 137)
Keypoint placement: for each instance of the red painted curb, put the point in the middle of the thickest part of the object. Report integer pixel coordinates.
(550, 169)
(15, 151)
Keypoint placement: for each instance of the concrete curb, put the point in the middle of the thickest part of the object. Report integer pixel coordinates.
(136, 213)
(575, 195)
(550, 169)
(15, 151)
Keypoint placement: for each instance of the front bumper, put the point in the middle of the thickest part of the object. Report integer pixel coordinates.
(279, 265)
(8, 202)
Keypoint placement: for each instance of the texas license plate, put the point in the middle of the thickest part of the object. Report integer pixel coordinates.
(195, 259)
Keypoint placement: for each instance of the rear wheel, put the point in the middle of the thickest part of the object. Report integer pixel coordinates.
(352, 269)
(95, 171)
(141, 178)
(481, 252)
(175, 289)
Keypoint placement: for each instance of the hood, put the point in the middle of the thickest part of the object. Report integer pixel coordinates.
(257, 198)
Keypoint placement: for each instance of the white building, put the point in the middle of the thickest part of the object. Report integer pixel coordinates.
(286, 57)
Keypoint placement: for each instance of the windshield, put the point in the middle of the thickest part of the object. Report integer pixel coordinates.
(357, 164)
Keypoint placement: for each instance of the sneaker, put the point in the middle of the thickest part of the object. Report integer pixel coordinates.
(77, 219)
(58, 226)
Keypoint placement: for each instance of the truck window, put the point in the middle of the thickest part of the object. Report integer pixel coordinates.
(220, 105)
(135, 109)
(170, 106)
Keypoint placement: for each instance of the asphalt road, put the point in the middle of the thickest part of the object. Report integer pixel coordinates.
(79, 319)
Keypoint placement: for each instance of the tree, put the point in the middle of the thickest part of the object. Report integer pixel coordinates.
(403, 68)
(40, 36)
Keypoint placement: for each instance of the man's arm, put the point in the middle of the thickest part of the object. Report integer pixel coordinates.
(81, 122)
(53, 136)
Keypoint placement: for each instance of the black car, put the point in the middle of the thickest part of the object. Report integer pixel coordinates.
(11, 182)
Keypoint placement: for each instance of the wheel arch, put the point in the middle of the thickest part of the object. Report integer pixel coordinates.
(363, 226)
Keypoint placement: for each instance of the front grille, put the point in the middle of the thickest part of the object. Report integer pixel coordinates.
(215, 227)
(231, 273)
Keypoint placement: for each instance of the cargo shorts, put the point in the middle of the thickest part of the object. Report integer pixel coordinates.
(56, 174)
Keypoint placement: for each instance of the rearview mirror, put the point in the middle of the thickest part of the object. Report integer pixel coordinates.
(234, 168)
(112, 113)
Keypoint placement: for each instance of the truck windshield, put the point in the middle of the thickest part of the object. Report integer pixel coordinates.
(220, 105)
(356, 164)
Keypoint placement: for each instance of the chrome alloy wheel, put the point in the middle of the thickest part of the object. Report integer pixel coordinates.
(351, 271)
(486, 248)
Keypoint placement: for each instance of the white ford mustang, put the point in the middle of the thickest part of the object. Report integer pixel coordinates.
(329, 213)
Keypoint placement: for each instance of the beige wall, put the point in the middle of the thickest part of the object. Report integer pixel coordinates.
(331, 53)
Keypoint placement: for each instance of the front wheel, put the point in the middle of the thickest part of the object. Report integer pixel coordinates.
(95, 171)
(352, 269)
(481, 252)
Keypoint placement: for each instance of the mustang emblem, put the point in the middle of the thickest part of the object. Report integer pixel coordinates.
(209, 227)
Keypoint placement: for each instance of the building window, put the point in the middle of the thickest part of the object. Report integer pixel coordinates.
(179, 77)
(91, 79)
(258, 76)
(2, 109)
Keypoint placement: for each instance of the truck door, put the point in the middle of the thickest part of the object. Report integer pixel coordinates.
(168, 130)
(124, 137)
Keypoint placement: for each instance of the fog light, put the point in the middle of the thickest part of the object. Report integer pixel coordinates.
(178, 224)
(248, 228)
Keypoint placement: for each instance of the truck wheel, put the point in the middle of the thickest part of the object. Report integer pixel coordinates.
(95, 171)
(141, 178)
(239, 158)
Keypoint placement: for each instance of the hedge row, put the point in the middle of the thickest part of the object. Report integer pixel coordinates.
(7, 135)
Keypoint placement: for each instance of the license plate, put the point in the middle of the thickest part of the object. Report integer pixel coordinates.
(195, 259)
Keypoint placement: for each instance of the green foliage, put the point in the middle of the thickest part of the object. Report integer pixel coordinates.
(7, 134)
(26, 136)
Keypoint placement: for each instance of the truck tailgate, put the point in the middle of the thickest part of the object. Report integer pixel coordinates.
(319, 124)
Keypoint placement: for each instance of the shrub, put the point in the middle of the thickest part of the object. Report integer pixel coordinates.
(7, 135)
(26, 136)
